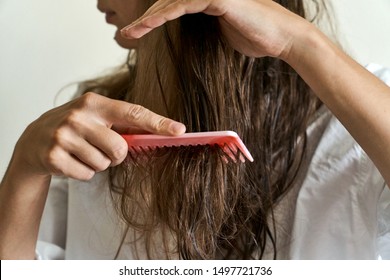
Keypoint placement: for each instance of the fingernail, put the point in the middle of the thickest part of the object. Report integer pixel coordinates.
(177, 128)
(125, 29)
(124, 32)
(131, 25)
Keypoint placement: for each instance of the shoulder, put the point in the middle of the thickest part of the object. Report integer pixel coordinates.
(339, 158)
(339, 164)
(339, 194)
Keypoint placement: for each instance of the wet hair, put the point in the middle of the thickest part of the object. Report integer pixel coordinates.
(194, 202)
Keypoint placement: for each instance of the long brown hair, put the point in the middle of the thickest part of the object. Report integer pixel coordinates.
(194, 200)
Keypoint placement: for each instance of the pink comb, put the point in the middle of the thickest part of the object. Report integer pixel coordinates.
(229, 141)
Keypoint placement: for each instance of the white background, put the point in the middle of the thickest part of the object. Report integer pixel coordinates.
(277, 270)
(46, 45)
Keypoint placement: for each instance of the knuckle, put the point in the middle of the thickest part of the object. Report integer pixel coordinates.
(71, 121)
(102, 165)
(87, 175)
(88, 99)
(52, 161)
(59, 137)
(161, 124)
(118, 155)
(135, 113)
(74, 119)
(84, 174)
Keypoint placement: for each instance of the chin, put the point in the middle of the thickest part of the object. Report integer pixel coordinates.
(125, 43)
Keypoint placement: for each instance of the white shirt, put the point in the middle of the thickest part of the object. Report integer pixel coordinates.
(339, 208)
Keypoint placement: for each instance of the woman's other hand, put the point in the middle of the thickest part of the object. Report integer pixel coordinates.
(255, 28)
(264, 28)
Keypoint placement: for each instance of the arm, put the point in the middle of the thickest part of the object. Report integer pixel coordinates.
(22, 199)
(356, 97)
(264, 28)
(75, 140)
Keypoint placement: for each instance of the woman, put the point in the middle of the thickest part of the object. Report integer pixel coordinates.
(311, 193)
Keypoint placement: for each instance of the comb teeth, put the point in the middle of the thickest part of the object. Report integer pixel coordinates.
(229, 141)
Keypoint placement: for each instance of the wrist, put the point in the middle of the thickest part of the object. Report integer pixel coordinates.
(307, 43)
(21, 175)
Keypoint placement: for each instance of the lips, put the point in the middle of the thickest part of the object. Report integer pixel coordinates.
(110, 15)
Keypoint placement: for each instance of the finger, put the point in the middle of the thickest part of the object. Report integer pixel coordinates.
(90, 155)
(126, 114)
(128, 129)
(60, 162)
(76, 141)
(162, 12)
(110, 144)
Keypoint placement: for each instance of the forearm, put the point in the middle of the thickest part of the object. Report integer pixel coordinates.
(356, 97)
(22, 199)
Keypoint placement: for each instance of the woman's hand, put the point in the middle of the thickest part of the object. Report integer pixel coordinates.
(253, 27)
(77, 139)
(264, 28)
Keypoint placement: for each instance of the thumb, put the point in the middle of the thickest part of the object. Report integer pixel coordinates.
(132, 118)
